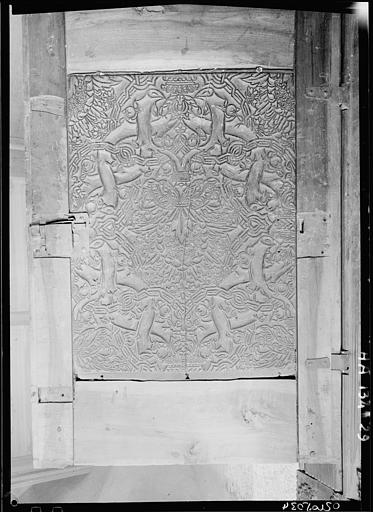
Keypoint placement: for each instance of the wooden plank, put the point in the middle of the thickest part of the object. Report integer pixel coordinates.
(48, 164)
(319, 435)
(51, 323)
(45, 60)
(178, 37)
(47, 196)
(45, 131)
(319, 289)
(309, 488)
(52, 435)
(151, 423)
(351, 301)
(51, 361)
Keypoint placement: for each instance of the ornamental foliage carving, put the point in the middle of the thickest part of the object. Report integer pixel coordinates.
(189, 184)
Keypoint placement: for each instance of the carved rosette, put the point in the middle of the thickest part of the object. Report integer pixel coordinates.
(189, 183)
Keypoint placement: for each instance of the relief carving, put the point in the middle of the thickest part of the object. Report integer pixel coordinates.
(189, 183)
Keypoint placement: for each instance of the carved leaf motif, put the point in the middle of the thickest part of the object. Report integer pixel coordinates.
(153, 93)
(189, 183)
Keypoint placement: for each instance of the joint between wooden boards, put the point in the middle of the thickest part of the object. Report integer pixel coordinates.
(312, 257)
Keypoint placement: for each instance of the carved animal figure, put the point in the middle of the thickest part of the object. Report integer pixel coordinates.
(89, 274)
(221, 323)
(144, 328)
(126, 278)
(110, 193)
(253, 269)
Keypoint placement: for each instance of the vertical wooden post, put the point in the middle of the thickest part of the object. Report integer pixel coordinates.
(47, 198)
(351, 306)
(319, 257)
(45, 66)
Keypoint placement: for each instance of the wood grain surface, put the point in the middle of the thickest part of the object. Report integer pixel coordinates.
(45, 131)
(174, 37)
(51, 322)
(52, 435)
(47, 196)
(45, 59)
(351, 265)
(151, 423)
(319, 285)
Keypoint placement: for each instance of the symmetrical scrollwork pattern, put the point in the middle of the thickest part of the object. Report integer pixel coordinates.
(188, 180)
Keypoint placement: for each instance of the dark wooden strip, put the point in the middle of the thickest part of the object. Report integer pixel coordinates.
(319, 265)
(47, 70)
(45, 133)
(47, 195)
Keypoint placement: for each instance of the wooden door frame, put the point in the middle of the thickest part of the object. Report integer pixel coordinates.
(327, 76)
(45, 95)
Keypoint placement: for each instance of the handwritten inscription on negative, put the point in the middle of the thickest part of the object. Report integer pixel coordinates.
(189, 184)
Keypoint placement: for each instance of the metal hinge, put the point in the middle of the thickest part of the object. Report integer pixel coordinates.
(313, 234)
(54, 394)
(338, 362)
(60, 237)
(324, 92)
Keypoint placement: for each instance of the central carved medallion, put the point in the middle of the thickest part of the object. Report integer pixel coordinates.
(189, 183)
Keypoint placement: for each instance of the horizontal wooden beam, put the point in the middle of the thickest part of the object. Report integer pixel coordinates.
(151, 423)
(178, 37)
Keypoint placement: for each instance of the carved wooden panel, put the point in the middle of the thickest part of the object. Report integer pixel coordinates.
(189, 181)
